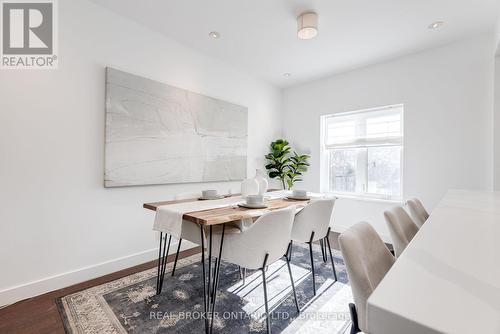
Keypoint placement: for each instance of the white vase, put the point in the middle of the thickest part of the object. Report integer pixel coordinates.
(261, 180)
(249, 187)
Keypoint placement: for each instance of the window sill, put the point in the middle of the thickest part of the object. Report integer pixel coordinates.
(368, 199)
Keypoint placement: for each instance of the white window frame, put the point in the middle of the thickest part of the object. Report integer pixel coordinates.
(324, 159)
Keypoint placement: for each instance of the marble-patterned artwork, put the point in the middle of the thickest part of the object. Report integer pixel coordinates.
(157, 134)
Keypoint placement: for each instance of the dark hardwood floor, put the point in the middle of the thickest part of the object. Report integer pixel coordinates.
(40, 315)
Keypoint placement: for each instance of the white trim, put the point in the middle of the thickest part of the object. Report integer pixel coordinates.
(34, 288)
(367, 142)
(345, 113)
(369, 198)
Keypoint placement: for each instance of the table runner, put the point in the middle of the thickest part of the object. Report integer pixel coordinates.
(168, 218)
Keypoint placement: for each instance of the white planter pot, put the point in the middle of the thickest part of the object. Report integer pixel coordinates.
(262, 181)
(249, 187)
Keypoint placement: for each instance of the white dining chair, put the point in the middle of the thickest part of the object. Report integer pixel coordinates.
(367, 260)
(401, 228)
(417, 211)
(261, 244)
(313, 224)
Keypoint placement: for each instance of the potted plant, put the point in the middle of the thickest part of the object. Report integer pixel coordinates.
(284, 164)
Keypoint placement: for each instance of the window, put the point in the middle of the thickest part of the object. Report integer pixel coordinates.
(362, 153)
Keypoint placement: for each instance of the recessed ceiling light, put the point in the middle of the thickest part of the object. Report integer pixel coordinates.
(287, 75)
(435, 25)
(214, 34)
(307, 25)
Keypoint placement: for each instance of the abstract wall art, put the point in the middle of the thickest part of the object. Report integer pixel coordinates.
(159, 134)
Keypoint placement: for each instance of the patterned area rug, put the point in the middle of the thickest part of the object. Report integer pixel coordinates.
(130, 305)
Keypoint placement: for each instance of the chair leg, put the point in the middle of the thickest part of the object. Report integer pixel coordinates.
(312, 262)
(289, 251)
(326, 254)
(331, 257)
(322, 245)
(268, 319)
(293, 283)
(354, 318)
(176, 257)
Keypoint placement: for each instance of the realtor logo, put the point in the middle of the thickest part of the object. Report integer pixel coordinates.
(28, 34)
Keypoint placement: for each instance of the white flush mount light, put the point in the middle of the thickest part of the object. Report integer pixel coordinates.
(435, 25)
(214, 34)
(307, 25)
(287, 75)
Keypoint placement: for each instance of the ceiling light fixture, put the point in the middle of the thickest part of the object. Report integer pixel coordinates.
(287, 75)
(307, 25)
(214, 34)
(435, 25)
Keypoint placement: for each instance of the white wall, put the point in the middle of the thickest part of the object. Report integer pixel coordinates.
(496, 124)
(496, 110)
(448, 98)
(58, 225)
(497, 32)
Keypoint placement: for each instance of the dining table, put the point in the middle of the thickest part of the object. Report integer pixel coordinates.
(447, 280)
(218, 214)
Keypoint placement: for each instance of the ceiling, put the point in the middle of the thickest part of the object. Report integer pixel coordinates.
(259, 36)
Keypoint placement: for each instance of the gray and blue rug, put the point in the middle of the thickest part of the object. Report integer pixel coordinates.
(130, 305)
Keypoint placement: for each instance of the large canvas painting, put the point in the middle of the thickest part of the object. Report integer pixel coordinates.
(157, 134)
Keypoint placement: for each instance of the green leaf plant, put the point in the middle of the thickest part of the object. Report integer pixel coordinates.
(285, 165)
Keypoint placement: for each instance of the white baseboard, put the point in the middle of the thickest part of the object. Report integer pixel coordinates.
(34, 288)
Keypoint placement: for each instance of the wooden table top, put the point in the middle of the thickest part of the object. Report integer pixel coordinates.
(229, 213)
